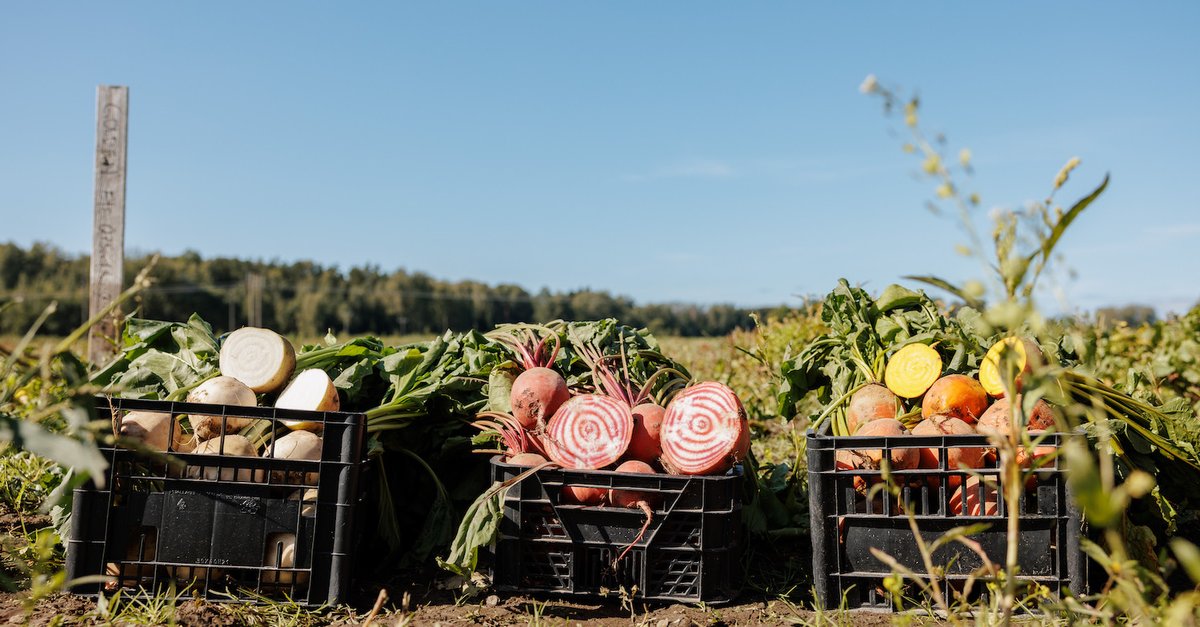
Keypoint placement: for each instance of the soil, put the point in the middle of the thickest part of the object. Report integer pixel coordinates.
(440, 609)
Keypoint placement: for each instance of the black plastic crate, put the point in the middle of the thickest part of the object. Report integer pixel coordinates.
(207, 528)
(846, 524)
(690, 552)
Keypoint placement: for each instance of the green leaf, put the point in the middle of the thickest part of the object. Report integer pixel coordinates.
(67, 451)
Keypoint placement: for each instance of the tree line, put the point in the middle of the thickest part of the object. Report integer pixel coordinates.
(307, 299)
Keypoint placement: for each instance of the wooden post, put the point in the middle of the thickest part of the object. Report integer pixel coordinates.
(108, 231)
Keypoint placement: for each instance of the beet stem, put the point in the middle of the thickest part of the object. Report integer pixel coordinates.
(645, 507)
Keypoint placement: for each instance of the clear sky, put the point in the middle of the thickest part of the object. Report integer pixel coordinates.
(679, 151)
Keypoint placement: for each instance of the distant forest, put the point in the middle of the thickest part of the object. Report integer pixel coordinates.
(307, 299)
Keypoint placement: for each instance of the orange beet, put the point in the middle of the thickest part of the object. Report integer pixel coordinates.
(898, 458)
(871, 402)
(536, 394)
(996, 420)
(955, 395)
(973, 506)
(957, 457)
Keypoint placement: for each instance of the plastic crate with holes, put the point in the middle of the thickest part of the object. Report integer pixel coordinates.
(223, 524)
(690, 551)
(850, 519)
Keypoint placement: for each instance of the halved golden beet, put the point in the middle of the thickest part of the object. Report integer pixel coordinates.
(912, 370)
(1019, 353)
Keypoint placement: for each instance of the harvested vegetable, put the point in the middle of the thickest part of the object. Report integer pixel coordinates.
(260, 358)
(645, 444)
(311, 390)
(220, 391)
(589, 431)
(538, 391)
(912, 370)
(871, 402)
(980, 499)
(280, 554)
(582, 495)
(526, 459)
(154, 428)
(704, 431)
(644, 501)
(1019, 353)
(296, 445)
(958, 457)
(955, 395)
(230, 445)
(996, 420)
(898, 458)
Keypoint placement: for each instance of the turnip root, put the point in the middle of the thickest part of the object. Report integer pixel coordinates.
(704, 431)
(589, 431)
(281, 553)
(260, 358)
(153, 428)
(958, 457)
(311, 390)
(955, 395)
(220, 391)
(645, 501)
(912, 370)
(308, 499)
(645, 445)
(536, 394)
(140, 548)
(295, 445)
(234, 446)
(1018, 353)
(870, 402)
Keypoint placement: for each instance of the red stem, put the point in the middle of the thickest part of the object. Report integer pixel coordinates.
(645, 507)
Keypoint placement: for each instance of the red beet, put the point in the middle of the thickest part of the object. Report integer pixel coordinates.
(644, 445)
(527, 459)
(644, 501)
(581, 495)
(536, 394)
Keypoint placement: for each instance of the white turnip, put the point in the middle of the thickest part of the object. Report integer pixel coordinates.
(230, 445)
(295, 445)
(281, 554)
(153, 428)
(260, 358)
(220, 391)
(311, 390)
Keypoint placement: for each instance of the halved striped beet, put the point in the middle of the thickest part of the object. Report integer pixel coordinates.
(704, 431)
(589, 431)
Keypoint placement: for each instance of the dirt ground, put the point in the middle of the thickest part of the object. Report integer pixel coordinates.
(441, 609)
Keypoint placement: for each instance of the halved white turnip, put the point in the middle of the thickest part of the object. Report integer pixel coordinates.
(260, 358)
(311, 390)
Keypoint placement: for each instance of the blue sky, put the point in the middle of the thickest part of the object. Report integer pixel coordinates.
(701, 151)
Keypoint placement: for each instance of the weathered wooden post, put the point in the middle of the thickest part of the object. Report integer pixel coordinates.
(108, 230)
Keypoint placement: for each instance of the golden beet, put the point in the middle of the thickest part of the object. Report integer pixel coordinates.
(955, 395)
(871, 402)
